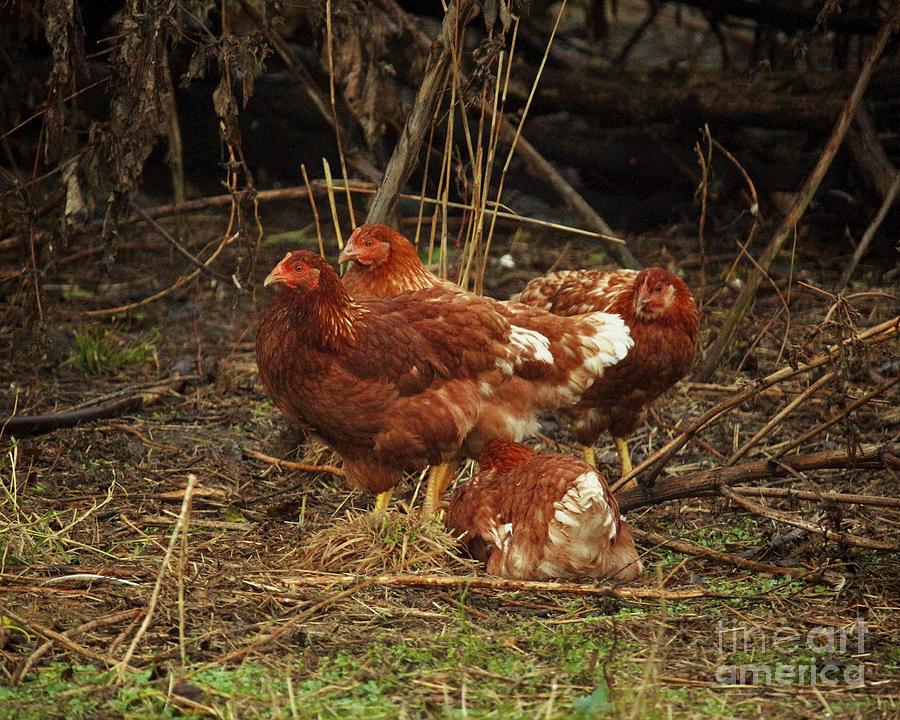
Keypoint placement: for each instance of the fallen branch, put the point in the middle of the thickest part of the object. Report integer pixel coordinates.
(691, 548)
(504, 585)
(59, 638)
(776, 100)
(708, 482)
(27, 425)
(654, 464)
(790, 16)
(825, 497)
(22, 670)
(293, 465)
(361, 186)
(783, 517)
(788, 227)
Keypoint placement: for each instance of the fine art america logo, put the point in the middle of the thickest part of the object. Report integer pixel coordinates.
(786, 656)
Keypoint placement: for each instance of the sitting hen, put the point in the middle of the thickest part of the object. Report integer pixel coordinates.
(663, 319)
(536, 516)
(390, 384)
(576, 350)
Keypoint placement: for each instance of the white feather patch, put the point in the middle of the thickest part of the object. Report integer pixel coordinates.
(609, 344)
(582, 518)
(531, 344)
(613, 339)
(501, 535)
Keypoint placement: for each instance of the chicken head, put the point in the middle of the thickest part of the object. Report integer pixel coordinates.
(298, 270)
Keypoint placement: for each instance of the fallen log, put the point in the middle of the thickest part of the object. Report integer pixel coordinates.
(28, 425)
(808, 101)
(785, 17)
(708, 482)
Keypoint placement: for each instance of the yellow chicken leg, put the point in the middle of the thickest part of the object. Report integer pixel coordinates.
(382, 501)
(439, 477)
(625, 458)
(590, 457)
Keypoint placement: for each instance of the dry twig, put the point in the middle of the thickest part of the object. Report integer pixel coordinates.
(691, 548)
(183, 280)
(60, 638)
(824, 497)
(788, 226)
(124, 665)
(822, 427)
(654, 464)
(291, 622)
(783, 517)
(293, 465)
(22, 670)
(707, 482)
(504, 585)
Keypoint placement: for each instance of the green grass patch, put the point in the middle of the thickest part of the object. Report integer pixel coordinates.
(518, 668)
(294, 238)
(102, 351)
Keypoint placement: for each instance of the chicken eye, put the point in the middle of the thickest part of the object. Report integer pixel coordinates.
(369, 243)
(298, 268)
(658, 288)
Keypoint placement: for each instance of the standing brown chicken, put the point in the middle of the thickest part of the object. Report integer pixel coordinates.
(576, 350)
(655, 304)
(663, 319)
(399, 383)
(535, 516)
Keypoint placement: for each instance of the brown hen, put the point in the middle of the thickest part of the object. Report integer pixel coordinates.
(536, 516)
(575, 350)
(390, 384)
(663, 319)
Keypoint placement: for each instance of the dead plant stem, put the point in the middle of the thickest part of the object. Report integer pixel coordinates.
(719, 347)
(843, 537)
(180, 524)
(654, 464)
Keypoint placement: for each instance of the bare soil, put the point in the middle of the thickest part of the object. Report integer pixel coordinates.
(89, 512)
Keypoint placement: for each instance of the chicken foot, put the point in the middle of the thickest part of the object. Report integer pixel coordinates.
(590, 457)
(439, 477)
(382, 501)
(625, 458)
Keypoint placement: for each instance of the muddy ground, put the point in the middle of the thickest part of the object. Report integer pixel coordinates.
(88, 513)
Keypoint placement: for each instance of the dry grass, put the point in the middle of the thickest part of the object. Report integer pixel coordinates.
(367, 543)
(97, 506)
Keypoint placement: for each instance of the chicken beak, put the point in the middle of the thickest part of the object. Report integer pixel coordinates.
(642, 302)
(349, 253)
(275, 277)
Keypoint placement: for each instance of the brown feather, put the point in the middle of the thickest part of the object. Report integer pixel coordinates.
(385, 264)
(533, 516)
(390, 384)
(663, 349)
